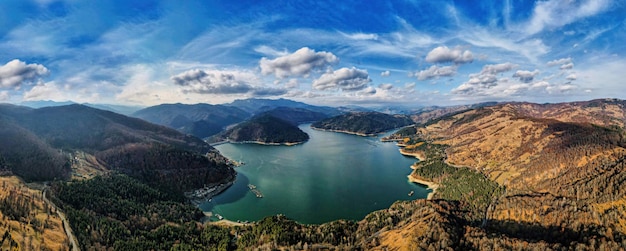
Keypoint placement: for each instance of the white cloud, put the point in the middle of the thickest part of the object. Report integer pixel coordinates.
(487, 85)
(505, 89)
(221, 82)
(403, 42)
(540, 85)
(385, 74)
(292, 83)
(561, 89)
(367, 91)
(45, 91)
(346, 79)
(526, 76)
(435, 72)
(498, 68)
(269, 51)
(385, 86)
(443, 54)
(15, 73)
(4, 95)
(143, 86)
(507, 45)
(360, 36)
(479, 83)
(604, 75)
(476, 85)
(299, 63)
(560, 61)
(220, 44)
(571, 77)
(567, 66)
(557, 13)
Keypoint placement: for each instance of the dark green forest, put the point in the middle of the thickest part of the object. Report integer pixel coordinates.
(265, 128)
(363, 122)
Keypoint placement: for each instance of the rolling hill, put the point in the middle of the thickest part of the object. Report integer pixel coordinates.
(205, 120)
(200, 120)
(264, 129)
(296, 116)
(258, 106)
(363, 123)
(513, 176)
(40, 141)
(545, 176)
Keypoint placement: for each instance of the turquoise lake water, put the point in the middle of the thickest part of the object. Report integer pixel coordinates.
(332, 176)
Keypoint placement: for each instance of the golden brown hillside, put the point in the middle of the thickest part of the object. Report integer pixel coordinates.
(524, 152)
(28, 222)
(559, 170)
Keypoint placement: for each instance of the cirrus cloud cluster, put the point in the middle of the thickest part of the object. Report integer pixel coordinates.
(300, 65)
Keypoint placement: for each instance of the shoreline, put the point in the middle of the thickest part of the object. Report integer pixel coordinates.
(347, 132)
(418, 155)
(200, 195)
(257, 142)
(431, 185)
(384, 139)
(226, 222)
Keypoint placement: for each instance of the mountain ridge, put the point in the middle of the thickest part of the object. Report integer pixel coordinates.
(205, 120)
(200, 120)
(511, 176)
(156, 154)
(264, 128)
(363, 123)
(559, 170)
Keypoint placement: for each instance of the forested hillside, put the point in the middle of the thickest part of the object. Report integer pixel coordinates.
(37, 144)
(553, 174)
(200, 120)
(257, 106)
(511, 176)
(296, 116)
(27, 221)
(205, 120)
(123, 213)
(363, 123)
(265, 128)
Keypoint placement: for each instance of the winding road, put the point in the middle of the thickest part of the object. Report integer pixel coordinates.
(66, 223)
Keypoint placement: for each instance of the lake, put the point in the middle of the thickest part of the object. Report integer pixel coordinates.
(332, 176)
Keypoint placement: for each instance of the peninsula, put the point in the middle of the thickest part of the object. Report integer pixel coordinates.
(264, 129)
(362, 123)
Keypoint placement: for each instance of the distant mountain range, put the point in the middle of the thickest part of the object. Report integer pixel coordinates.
(121, 109)
(257, 106)
(204, 120)
(37, 145)
(200, 120)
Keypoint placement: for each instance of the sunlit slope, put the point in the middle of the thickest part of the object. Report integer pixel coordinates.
(560, 169)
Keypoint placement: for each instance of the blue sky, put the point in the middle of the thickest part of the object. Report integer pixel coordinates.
(321, 52)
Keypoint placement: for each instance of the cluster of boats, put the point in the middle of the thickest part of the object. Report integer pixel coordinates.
(256, 191)
(207, 192)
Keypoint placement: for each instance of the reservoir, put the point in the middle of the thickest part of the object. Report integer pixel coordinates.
(332, 176)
